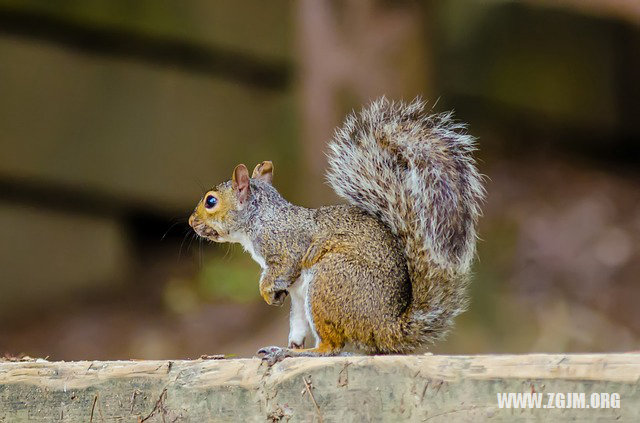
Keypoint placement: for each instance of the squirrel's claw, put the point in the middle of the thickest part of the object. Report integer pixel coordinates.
(295, 345)
(272, 355)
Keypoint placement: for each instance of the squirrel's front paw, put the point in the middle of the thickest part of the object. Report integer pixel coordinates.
(274, 296)
(273, 355)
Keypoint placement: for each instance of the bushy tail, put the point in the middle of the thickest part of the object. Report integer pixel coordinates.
(416, 173)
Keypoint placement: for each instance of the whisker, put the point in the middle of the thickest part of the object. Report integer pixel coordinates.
(171, 226)
(190, 242)
(226, 254)
(199, 182)
(186, 235)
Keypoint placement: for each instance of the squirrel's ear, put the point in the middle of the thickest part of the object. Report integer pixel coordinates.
(263, 171)
(240, 183)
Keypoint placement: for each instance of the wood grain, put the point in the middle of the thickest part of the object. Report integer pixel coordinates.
(341, 389)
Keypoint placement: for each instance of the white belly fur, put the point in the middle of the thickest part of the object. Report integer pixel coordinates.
(300, 320)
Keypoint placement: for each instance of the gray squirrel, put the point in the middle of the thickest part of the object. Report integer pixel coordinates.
(388, 272)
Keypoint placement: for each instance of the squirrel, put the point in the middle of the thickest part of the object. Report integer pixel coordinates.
(386, 273)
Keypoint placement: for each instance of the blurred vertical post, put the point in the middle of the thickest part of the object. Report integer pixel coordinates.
(350, 53)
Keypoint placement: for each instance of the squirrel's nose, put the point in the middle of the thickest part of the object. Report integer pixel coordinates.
(191, 219)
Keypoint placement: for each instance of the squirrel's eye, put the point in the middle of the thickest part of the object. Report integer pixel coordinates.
(210, 202)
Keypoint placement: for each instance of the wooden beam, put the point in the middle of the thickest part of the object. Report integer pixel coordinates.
(356, 388)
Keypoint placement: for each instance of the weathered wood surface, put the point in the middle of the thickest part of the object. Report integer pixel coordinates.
(340, 389)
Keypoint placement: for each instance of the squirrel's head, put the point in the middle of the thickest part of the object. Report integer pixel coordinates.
(222, 213)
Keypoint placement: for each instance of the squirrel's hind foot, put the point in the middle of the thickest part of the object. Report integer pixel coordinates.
(272, 355)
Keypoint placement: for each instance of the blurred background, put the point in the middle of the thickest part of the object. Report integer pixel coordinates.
(116, 116)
